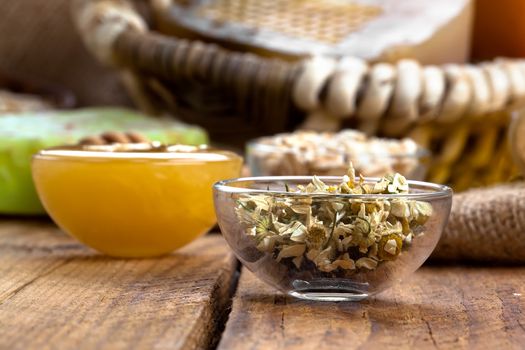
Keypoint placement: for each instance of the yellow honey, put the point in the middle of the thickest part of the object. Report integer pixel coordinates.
(132, 204)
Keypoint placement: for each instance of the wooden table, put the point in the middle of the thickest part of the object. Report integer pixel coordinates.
(57, 294)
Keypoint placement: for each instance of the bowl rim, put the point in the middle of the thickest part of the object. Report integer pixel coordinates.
(435, 191)
(133, 151)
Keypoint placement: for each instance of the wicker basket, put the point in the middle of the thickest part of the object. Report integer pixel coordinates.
(458, 111)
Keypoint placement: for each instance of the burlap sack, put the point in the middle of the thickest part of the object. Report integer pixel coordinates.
(486, 224)
(38, 40)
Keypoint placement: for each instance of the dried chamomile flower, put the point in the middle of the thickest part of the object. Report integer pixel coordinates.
(391, 184)
(318, 185)
(389, 247)
(400, 208)
(367, 263)
(263, 226)
(316, 236)
(291, 251)
(423, 211)
(344, 262)
(340, 234)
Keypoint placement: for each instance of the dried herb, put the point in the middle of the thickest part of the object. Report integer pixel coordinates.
(335, 232)
(328, 153)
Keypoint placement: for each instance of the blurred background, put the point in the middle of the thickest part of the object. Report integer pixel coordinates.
(231, 71)
(40, 43)
(38, 40)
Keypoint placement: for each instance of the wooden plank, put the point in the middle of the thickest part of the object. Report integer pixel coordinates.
(438, 307)
(54, 293)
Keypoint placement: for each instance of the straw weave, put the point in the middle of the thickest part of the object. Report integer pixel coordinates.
(456, 111)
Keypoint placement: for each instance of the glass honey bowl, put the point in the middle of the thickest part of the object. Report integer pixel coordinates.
(132, 200)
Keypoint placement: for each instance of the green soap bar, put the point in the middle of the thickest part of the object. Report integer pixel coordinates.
(22, 135)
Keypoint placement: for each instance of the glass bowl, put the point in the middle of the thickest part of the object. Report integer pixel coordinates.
(330, 246)
(309, 153)
(135, 200)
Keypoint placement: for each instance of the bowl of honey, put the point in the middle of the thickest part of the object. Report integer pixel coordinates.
(132, 200)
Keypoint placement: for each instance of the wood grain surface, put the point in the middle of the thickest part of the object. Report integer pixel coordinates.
(57, 294)
(54, 293)
(439, 307)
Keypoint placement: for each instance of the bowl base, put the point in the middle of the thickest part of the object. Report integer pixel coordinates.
(328, 295)
(331, 289)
